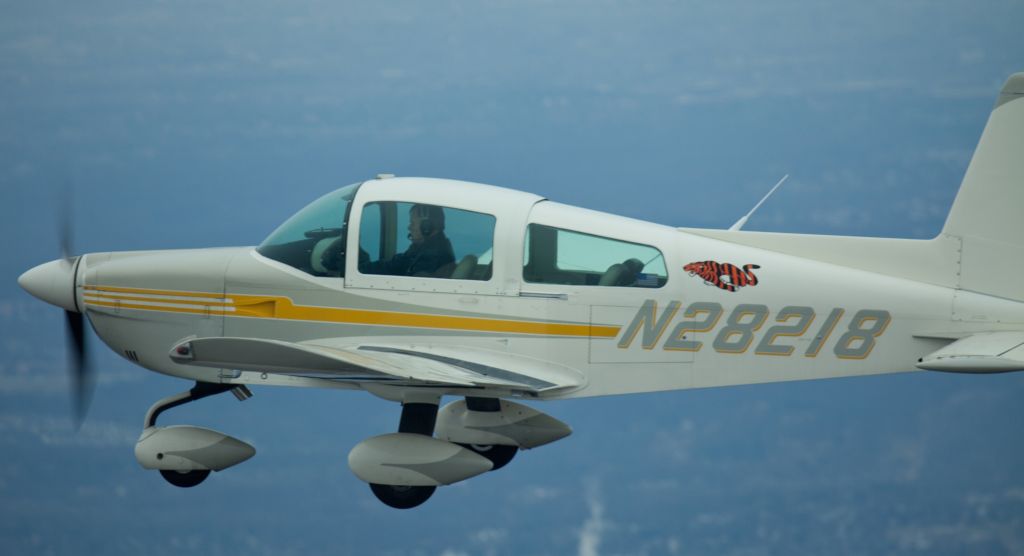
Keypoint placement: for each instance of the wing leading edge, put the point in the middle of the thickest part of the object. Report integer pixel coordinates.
(406, 364)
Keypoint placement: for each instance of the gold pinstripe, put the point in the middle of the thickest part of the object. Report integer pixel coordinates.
(283, 308)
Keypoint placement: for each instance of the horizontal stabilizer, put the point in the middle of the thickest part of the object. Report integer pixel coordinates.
(988, 352)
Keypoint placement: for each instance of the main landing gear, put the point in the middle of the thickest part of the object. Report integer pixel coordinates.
(499, 454)
(185, 479)
(405, 468)
(184, 454)
(417, 418)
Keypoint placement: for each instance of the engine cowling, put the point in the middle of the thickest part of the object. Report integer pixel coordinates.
(187, 448)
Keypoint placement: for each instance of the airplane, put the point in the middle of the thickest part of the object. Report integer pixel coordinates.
(417, 289)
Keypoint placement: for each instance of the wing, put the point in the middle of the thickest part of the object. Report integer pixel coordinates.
(419, 364)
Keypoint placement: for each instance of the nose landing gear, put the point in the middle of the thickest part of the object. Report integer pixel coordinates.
(184, 454)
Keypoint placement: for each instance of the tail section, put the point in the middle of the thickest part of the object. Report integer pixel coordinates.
(988, 214)
(981, 247)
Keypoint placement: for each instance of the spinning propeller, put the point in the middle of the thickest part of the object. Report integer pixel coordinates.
(82, 380)
(54, 283)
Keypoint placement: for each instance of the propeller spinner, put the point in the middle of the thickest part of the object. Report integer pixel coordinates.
(54, 283)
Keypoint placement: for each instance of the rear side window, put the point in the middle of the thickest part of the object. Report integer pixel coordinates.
(429, 241)
(557, 256)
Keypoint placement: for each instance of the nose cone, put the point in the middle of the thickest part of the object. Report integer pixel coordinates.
(53, 282)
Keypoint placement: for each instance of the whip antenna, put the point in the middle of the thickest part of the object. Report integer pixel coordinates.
(739, 223)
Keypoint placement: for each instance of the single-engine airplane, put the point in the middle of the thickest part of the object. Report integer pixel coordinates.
(418, 289)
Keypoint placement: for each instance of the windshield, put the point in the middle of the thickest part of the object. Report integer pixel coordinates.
(313, 240)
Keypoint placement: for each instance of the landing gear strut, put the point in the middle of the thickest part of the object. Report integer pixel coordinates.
(199, 391)
(417, 418)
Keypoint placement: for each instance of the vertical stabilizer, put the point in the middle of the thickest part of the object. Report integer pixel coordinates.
(988, 213)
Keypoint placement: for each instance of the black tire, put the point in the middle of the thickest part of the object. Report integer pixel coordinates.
(401, 496)
(498, 454)
(187, 479)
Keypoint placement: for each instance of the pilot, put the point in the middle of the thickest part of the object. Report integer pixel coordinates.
(429, 252)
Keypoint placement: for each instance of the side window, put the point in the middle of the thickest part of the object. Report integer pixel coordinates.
(407, 239)
(557, 256)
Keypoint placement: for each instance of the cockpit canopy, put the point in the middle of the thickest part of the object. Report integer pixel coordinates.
(441, 229)
(313, 240)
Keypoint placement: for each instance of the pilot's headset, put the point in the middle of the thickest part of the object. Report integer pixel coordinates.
(431, 219)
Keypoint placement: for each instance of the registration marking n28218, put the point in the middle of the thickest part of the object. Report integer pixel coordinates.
(743, 325)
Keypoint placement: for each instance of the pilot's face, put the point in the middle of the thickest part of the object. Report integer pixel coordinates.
(415, 230)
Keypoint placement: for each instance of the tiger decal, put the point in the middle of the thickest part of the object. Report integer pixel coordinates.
(723, 275)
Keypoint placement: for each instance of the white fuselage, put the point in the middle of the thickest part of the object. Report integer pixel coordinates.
(802, 318)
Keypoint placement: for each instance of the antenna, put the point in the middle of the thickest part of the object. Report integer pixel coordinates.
(739, 223)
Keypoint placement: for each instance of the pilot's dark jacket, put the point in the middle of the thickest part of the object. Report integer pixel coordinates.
(423, 259)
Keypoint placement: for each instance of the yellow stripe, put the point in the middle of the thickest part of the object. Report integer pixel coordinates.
(197, 300)
(113, 289)
(212, 311)
(279, 307)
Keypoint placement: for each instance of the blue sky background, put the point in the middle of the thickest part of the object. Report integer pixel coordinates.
(194, 124)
